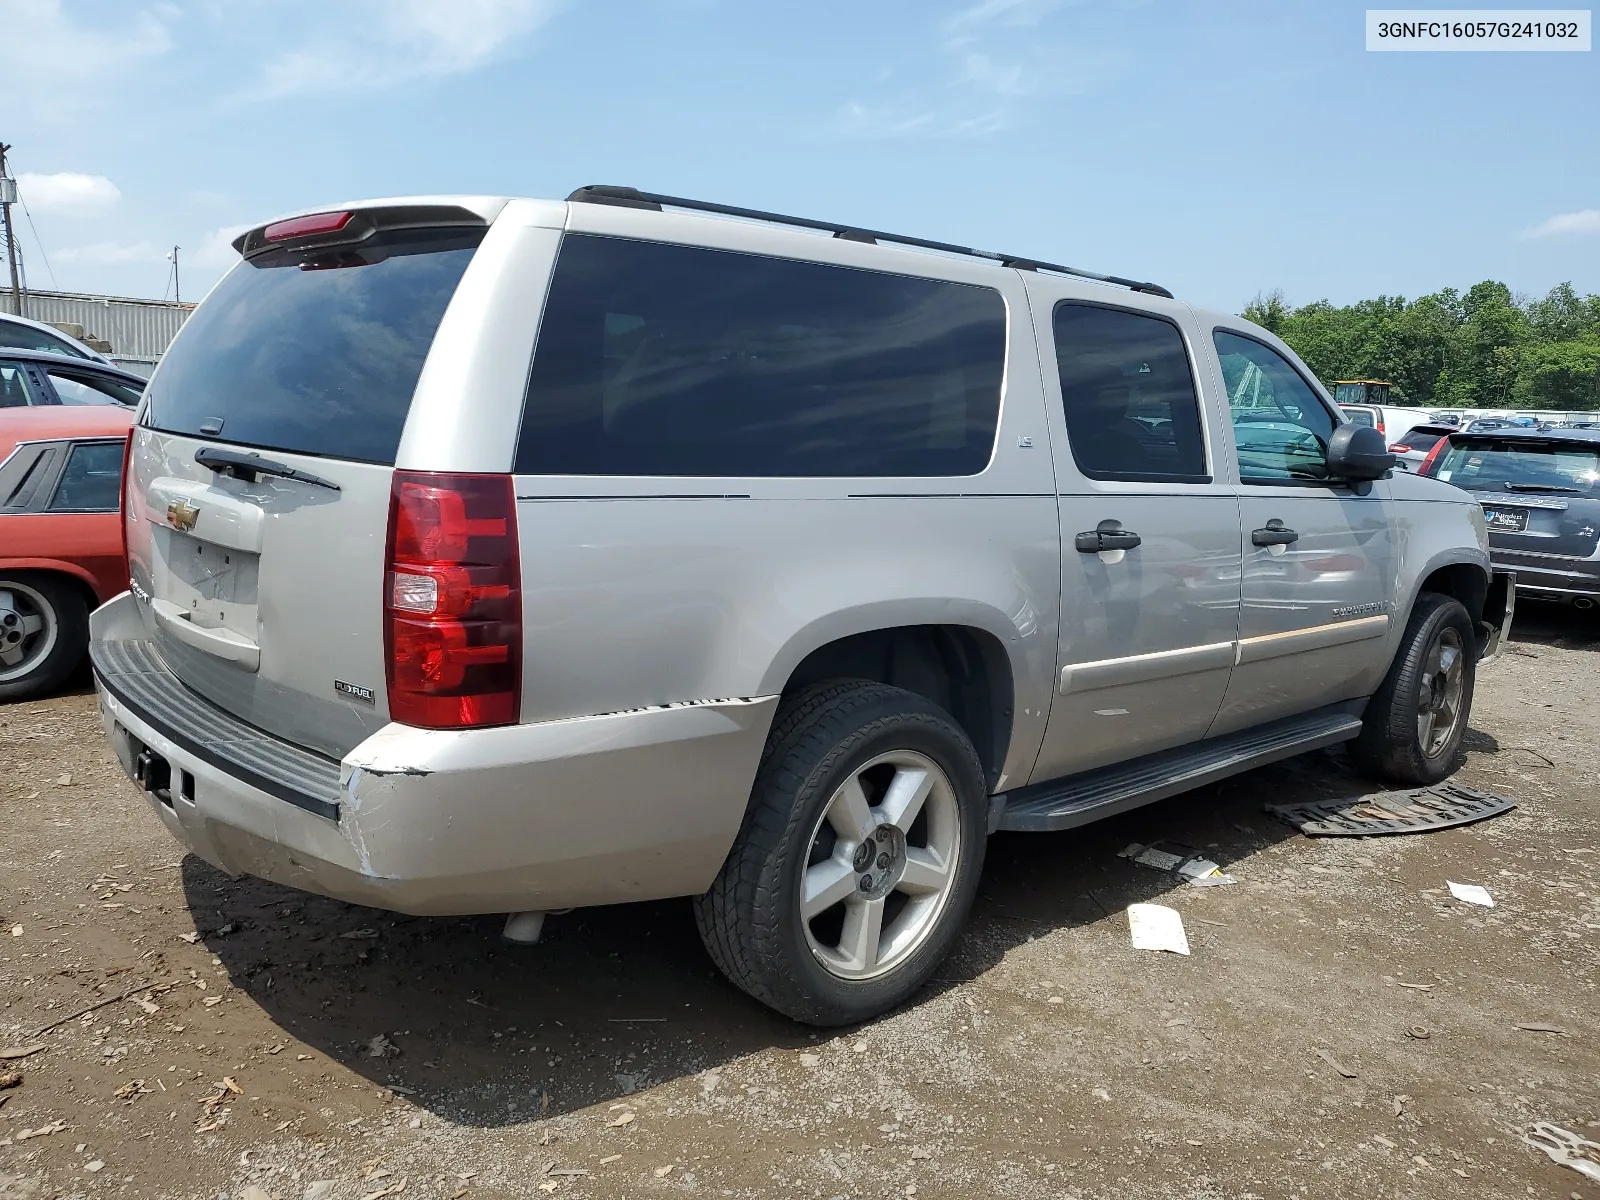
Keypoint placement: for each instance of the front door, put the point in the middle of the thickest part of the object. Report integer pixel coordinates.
(1150, 539)
(1319, 556)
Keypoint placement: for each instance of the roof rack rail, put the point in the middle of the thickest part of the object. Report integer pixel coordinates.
(627, 197)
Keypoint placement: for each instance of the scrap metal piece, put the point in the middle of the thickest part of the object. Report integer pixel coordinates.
(1416, 810)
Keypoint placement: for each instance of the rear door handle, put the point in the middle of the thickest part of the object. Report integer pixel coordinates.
(1097, 540)
(1274, 534)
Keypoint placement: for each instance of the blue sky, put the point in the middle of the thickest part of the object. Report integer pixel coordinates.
(1218, 148)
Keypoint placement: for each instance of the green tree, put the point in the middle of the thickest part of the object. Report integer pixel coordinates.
(1561, 375)
(1481, 349)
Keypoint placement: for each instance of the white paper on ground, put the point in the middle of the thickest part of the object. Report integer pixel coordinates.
(1157, 927)
(1471, 893)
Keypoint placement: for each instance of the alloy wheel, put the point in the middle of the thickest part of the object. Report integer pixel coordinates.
(27, 630)
(1439, 707)
(881, 865)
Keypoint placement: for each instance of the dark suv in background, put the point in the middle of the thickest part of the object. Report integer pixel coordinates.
(1540, 501)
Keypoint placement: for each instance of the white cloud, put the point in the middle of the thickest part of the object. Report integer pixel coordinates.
(891, 121)
(1006, 80)
(215, 251)
(109, 252)
(69, 192)
(1005, 12)
(58, 66)
(400, 41)
(1586, 221)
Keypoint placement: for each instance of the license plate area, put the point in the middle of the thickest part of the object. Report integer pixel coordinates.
(1507, 520)
(218, 587)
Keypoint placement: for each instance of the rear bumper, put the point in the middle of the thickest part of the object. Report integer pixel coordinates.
(592, 810)
(1548, 574)
(1499, 607)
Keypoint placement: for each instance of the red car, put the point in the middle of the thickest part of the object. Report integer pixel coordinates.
(60, 536)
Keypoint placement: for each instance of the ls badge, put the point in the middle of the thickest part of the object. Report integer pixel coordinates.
(182, 515)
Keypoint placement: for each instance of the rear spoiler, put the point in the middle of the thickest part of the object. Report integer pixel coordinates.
(357, 225)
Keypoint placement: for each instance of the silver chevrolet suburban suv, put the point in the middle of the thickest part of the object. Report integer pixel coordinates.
(499, 556)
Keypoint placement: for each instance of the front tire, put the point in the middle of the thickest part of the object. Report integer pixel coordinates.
(44, 631)
(1415, 722)
(858, 858)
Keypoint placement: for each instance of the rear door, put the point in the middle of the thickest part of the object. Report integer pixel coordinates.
(262, 584)
(1320, 560)
(1149, 532)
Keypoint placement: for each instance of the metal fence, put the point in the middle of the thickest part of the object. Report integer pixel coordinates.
(136, 328)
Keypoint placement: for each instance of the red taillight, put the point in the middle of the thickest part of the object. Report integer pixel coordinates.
(1378, 424)
(330, 222)
(1399, 448)
(126, 514)
(1425, 467)
(452, 601)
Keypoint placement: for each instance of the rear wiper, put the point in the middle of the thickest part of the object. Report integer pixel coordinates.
(249, 466)
(1540, 487)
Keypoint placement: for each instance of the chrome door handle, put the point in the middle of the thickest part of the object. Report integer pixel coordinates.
(1274, 534)
(1097, 540)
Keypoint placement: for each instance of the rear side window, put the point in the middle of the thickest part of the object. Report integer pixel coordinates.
(92, 480)
(313, 355)
(1129, 396)
(84, 387)
(669, 360)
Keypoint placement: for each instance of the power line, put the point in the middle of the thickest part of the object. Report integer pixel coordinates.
(38, 242)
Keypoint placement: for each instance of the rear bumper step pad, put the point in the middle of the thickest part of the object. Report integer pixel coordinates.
(134, 673)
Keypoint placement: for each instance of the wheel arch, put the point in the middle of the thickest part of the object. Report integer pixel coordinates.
(963, 667)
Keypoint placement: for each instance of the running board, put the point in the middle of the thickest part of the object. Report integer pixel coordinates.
(1079, 799)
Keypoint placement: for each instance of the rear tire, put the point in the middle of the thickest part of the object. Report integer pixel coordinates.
(869, 813)
(44, 631)
(1415, 722)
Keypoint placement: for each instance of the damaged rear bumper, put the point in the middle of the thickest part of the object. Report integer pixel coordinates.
(1499, 606)
(591, 810)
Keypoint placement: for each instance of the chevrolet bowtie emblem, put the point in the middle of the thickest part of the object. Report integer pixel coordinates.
(182, 515)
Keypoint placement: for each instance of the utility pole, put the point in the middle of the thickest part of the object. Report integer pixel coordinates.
(8, 197)
(177, 293)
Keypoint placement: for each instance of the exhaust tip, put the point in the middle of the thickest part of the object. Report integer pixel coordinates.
(523, 928)
(1583, 603)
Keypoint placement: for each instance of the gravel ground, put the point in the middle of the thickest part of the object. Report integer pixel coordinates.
(1343, 1027)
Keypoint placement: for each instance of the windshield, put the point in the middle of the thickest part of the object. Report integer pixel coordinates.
(317, 351)
(1507, 465)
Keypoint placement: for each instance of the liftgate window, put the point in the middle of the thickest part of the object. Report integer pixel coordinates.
(667, 360)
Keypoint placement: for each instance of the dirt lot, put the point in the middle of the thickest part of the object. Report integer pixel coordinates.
(1049, 1058)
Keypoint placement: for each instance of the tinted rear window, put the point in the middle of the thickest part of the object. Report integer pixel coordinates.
(674, 360)
(1129, 395)
(1419, 439)
(1360, 416)
(317, 355)
(1511, 464)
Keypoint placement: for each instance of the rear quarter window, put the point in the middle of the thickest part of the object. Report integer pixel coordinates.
(667, 360)
(316, 352)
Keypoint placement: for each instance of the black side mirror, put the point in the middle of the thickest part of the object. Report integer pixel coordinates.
(1358, 452)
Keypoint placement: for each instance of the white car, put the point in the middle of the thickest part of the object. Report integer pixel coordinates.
(36, 335)
(1388, 419)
